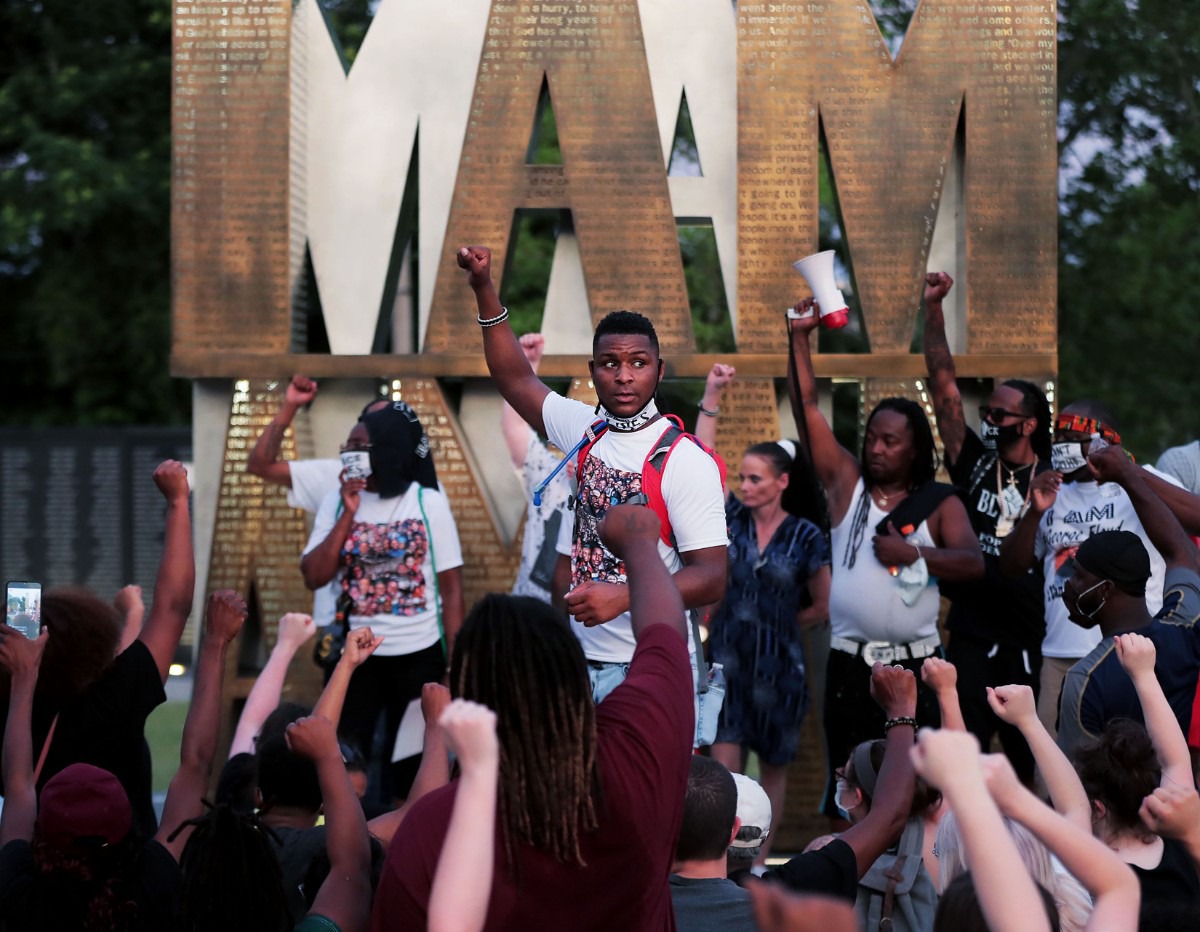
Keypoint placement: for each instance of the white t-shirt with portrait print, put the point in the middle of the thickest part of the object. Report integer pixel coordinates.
(388, 566)
(691, 490)
(552, 513)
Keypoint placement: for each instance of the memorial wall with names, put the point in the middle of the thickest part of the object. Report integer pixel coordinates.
(80, 507)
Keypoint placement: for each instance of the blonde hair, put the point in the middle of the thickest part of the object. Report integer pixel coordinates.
(1072, 900)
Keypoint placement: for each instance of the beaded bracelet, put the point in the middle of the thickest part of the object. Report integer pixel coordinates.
(901, 720)
(498, 319)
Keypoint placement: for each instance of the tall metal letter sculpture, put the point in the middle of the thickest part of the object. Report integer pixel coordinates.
(944, 156)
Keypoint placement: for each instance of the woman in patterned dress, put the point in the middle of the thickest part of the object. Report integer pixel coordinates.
(778, 586)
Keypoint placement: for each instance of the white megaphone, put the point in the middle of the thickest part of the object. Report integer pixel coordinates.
(817, 270)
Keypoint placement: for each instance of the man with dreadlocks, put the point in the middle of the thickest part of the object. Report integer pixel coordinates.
(590, 796)
(883, 605)
(997, 623)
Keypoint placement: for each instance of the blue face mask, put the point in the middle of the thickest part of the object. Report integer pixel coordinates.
(841, 791)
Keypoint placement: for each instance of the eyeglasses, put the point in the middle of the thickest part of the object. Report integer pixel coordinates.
(354, 448)
(994, 415)
(839, 774)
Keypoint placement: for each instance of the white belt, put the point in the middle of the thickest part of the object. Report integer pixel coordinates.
(885, 651)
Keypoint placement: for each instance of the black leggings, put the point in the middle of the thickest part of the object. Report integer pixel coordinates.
(388, 685)
(981, 664)
(852, 716)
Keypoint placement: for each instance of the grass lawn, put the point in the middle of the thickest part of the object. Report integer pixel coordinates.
(164, 729)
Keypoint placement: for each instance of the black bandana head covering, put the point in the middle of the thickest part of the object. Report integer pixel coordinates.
(400, 453)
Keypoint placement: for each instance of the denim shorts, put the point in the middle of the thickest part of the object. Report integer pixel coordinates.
(605, 677)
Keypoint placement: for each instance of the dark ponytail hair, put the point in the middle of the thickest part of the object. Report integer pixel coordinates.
(1119, 768)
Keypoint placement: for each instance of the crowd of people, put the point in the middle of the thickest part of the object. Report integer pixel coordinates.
(579, 754)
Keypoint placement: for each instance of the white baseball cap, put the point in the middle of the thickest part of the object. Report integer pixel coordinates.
(754, 810)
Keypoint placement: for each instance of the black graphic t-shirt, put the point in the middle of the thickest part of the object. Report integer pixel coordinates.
(995, 608)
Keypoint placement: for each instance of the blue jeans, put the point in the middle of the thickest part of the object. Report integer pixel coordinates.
(605, 677)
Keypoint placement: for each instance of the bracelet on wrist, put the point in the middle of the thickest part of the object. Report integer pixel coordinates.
(713, 413)
(492, 321)
(899, 720)
(918, 550)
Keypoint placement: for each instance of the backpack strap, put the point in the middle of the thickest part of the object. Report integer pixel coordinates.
(652, 469)
(655, 466)
(590, 436)
(916, 507)
(894, 875)
(652, 472)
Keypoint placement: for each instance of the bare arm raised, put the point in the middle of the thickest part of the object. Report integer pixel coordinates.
(895, 690)
(719, 378)
(1137, 655)
(176, 578)
(293, 631)
(345, 895)
(225, 616)
(950, 761)
(1111, 882)
(942, 677)
(512, 425)
(20, 658)
(1017, 706)
(463, 882)
(1161, 523)
(837, 467)
(947, 401)
(631, 532)
(506, 361)
(264, 460)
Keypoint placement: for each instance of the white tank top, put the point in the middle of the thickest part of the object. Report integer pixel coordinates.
(864, 599)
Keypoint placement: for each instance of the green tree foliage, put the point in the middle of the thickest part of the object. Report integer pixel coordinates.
(84, 213)
(348, 22)
(1129, 260)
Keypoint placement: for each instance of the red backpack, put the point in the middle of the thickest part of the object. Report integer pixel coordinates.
(652, 469)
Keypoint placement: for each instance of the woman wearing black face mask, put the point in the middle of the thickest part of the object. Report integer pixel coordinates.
(388, 535)
(996, 625)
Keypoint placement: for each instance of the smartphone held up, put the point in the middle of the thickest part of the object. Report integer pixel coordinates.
(23, 607)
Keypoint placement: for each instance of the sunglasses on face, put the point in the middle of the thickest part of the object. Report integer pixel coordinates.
(995, 415)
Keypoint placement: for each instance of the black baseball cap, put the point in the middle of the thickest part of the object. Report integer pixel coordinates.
(1118, 556)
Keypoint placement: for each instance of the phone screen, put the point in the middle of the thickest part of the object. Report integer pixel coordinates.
(23, 607)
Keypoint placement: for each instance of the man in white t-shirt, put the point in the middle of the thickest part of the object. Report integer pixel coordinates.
(1066, 507)
(625, 369)
(308, 482)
